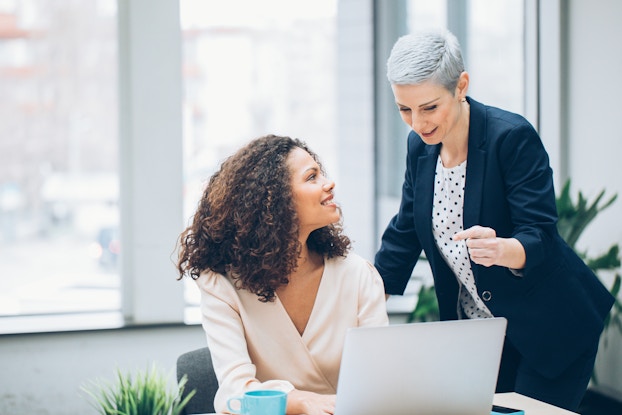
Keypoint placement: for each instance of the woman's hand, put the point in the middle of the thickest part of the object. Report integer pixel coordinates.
(487, 250)
(303, 402)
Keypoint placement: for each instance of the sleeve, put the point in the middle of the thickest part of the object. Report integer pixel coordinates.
(372, 303)
(400, 247)
(530, 192)
(226, 339)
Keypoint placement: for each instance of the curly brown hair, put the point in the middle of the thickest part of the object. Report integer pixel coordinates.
(246, 222)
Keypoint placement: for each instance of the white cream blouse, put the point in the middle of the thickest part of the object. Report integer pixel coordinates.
(256, 345)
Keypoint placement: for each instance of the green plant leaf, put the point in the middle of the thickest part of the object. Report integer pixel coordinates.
(608, 261)
(145, 393)
(427, 306)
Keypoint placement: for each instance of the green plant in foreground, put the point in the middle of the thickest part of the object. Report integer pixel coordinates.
(145, 393)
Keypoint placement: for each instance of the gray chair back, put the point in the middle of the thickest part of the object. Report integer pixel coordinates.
(197, 366)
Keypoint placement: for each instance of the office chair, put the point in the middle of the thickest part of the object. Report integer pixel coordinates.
(197, 366)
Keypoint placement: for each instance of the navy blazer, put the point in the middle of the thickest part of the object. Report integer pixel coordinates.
(555, 310)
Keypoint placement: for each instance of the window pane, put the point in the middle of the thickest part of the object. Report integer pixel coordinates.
(496, 53)
(493, 46)
(271, 69)
(58, 157)
(493, 49)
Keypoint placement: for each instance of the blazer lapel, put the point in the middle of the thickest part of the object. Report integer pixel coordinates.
(424, 194)
(476, 165)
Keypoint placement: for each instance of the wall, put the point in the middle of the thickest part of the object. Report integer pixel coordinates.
(41, 374)
(594, 92)
(356, 122)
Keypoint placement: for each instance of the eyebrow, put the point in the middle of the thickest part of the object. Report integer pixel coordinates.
(308, 169)
(420, 106)
(425, 104)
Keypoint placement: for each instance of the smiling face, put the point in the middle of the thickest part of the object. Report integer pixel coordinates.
(432, 111)
(312, 191)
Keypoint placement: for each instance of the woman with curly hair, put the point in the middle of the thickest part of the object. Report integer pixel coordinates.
(278, 285)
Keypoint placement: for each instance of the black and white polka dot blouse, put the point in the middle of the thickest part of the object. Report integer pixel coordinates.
(446, 221)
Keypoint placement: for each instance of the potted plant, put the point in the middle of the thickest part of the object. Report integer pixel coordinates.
(573, 219)
(143, 393)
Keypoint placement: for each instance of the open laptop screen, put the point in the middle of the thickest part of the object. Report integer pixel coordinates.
(447, 367)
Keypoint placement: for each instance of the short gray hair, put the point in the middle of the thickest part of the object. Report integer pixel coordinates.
(426, 56)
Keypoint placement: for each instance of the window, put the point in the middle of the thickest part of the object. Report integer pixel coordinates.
(64, 171)
(491, 34)
(58, 157)
(246, 77)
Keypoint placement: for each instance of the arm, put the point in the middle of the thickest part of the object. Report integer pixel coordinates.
(487, 250)
(530, 199)
(226, 339)
(372, 303)
(400, 247)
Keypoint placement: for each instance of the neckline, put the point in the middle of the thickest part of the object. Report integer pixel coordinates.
(460, 166)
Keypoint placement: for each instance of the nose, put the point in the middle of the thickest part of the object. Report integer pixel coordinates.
(416, 123)
(329, 185)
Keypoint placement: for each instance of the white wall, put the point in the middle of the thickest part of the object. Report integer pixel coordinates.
(356, 122)
(42, 373)
(595, 111)
(594, 104)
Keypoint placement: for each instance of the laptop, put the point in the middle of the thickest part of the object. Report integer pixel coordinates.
(433, 368)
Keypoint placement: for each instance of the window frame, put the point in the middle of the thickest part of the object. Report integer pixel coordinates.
(151, 156)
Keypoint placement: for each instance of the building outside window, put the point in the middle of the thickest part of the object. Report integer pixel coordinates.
(271, 69)
(58, 157)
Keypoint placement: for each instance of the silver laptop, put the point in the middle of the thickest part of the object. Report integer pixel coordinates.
(435, 368)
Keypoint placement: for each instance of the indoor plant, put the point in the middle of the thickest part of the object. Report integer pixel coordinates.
(144, 393)
(573, 219)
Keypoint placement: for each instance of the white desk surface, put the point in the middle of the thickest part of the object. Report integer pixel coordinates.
(529, 405)
(515, 400)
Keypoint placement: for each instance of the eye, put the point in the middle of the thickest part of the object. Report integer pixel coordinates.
(311, 177)
(404, 109)
(430, 108)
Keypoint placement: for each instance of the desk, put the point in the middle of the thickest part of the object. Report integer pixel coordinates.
(529, 405)
(516, 400)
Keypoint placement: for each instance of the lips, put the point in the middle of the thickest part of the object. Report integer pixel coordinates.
(430, 134)
(327, 201)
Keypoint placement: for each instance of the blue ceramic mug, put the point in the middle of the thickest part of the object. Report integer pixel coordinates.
(259, 402)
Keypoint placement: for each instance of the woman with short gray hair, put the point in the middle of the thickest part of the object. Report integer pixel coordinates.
(478, 199)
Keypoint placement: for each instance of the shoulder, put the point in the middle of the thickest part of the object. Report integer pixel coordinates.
(351, 260)
(354, 266)
(490, 117)
(508, 132)
(216, 285)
